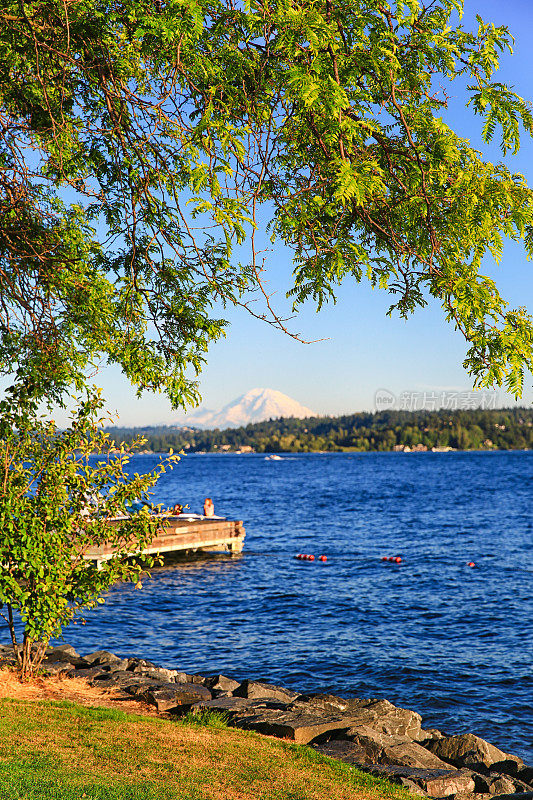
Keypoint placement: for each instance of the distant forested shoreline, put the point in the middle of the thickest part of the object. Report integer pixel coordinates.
(495, 429)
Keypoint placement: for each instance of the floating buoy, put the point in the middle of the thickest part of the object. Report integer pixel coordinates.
(322, 558)
(390, 558)
(398, 560)
(470, 564)
(311, 558)
(384, 558)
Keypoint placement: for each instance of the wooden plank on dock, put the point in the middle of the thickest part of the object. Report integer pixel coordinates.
(182, 535)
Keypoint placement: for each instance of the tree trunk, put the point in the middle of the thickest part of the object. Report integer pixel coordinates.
(16, 647)
(33, 653)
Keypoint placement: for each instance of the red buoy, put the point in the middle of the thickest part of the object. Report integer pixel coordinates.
(311, 558)
(470, 564)
(384, 558)
(398, 560)
(322, 558)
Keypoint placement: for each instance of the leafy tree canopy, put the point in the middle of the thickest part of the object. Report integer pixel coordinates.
(138, 141)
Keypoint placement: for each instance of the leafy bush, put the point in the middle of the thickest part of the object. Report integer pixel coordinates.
(57, 502)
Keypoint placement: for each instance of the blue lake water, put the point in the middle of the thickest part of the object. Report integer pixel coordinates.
(431, 634)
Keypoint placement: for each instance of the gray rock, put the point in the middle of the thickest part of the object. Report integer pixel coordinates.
(229, 704)
(201, 680)
(68, 648)
(383, 716)
(183, 677)
(91, 672)
(352, 752)
(410, 754)
(364, 733)
(58, 668)
(237, 706)
(494, 785)
(412, 787)
(436, 782)
(326, 702)
(515, 796)
(106, 683)
(521, 786)
(375, 747)
(100, 673)
(119, 666)
(524, 773)
(172, 696)
(481, 783)
(380, 715)
(100, 657)
(297, 724)
(220, 683)
(501, 785)
(159, 674)
(507, 767)
(140, 665)
(428, 736)
(256, 690)
(515, 769)
(468, 750)
(450, 783)
(120, 678)
(64, 653)
(140, 684)
(64, 649)
(472, 796)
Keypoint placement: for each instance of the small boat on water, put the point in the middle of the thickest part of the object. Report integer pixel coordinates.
(273, 457)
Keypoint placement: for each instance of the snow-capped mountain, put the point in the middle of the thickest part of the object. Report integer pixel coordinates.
(254, 406)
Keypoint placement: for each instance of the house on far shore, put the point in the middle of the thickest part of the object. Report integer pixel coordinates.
(404, 448)
(239, 448)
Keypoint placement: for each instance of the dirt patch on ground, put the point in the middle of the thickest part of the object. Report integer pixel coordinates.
(77, 690)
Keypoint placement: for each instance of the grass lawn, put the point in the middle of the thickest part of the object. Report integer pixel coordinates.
(62, 751)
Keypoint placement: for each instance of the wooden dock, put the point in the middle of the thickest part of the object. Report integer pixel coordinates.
(178, 535)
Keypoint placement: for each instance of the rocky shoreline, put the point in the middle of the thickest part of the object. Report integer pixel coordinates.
(371, 734)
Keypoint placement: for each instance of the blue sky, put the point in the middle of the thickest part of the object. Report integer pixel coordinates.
(362, 350)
